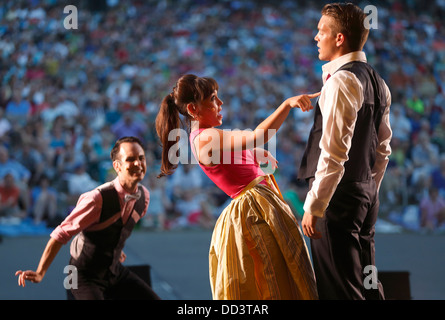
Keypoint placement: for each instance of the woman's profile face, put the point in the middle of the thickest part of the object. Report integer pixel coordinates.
(209, 111)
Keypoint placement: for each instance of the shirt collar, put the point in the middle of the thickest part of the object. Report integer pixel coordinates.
(120, 190)
(332, 66)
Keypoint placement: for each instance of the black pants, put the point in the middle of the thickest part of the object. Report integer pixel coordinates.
(124, 286)
(347, 244)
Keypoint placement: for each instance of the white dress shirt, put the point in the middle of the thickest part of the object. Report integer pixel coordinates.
(340, 100)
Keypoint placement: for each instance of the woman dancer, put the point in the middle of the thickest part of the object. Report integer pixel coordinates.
(257, 250)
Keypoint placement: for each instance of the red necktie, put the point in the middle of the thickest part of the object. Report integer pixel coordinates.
(327, 78)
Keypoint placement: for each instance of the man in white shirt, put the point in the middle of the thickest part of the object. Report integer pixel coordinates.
(346, 158)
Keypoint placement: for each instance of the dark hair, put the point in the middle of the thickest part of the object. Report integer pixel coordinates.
(188, 89)
(350, 21)
(115, 151)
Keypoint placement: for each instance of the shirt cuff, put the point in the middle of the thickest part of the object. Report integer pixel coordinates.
(314, 206)
(60, 235)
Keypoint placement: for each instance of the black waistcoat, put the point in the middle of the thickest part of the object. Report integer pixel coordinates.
(97, 252)
(365, 139)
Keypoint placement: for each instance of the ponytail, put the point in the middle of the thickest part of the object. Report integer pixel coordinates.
(189, 89)
(166, 121)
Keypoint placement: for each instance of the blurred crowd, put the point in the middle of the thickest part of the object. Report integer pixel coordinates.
(66, 95)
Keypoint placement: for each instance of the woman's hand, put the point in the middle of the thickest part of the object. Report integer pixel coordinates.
(264, 156)
(302, 101)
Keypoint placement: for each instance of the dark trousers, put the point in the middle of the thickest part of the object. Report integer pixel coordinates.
(124, 286)
(347, 244)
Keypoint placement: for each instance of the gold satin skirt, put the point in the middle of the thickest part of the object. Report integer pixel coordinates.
(257, 250)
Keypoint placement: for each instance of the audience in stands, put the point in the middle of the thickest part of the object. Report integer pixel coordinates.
(67, 94)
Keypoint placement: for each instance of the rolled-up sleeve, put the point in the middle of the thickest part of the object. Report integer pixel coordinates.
(86, 213)
(340, 101)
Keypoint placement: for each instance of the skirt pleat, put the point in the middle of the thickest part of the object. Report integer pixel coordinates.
(258, 252)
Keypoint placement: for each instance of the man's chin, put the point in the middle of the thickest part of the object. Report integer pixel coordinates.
(138, 177)
(322, 58)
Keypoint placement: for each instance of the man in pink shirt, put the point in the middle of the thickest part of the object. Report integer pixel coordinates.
(101, 222)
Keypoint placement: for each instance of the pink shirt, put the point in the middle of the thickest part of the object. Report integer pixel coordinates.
(234, 176)
(86, 214)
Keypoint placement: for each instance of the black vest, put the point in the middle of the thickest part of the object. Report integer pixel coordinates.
(365, 139)
(97, 252)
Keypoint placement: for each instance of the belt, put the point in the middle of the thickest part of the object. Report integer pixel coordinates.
(270, 179)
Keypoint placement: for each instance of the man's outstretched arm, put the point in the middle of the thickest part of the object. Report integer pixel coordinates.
(50, 252)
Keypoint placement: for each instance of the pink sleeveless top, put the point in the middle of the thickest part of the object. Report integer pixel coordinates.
(231, 177)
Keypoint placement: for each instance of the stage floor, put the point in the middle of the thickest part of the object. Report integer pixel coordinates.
(179, 264)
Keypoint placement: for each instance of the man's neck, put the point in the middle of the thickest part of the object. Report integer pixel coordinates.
(130, 187)
(340, 52)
